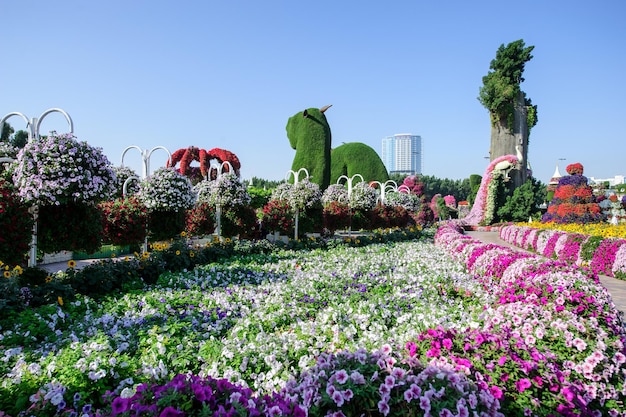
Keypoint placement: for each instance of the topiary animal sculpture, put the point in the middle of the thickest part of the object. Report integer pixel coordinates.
(309, 134)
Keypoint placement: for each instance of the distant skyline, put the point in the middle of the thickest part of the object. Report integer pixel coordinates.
(230, 74)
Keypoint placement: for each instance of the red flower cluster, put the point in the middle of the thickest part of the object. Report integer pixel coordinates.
(188, 155)
(278, 217)
(574, 169)
(124, 221)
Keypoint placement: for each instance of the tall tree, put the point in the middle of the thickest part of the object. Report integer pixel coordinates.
(5, 132)
(512, 114)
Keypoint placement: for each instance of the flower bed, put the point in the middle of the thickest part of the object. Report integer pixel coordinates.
(388, 329)
(604, 256)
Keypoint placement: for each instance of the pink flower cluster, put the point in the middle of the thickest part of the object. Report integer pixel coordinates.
(477, 214)
(551, 338)
(609, 258)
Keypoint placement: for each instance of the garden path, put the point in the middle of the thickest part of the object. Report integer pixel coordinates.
(616, 287)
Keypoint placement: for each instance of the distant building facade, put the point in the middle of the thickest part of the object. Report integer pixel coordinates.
(402, 154)
(616, 180)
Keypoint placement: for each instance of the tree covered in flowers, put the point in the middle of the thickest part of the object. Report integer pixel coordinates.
(166, 194)
(573, 200)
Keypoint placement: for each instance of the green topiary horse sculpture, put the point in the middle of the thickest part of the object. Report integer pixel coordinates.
(309, 134)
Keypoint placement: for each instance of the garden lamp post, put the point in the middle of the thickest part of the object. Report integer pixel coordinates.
(389, 185)
(349, 182)
(219, 169)
(32, 127)
(296, 179)
(145, 171)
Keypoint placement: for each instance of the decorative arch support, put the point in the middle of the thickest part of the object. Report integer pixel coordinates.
(145, 156)
(32, 126)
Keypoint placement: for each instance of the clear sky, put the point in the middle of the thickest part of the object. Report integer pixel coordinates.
(229, 74)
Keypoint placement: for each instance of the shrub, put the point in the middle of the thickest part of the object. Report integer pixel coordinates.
(124, 221)
(200, 220)
(16, 224)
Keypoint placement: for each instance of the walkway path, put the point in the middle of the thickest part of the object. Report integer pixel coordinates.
(616, 287)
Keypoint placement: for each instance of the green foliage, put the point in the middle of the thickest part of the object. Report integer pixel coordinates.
(357, 158)
(71, 226)
(165, 224)
(501, 86)
(309, 134)
(15, 224)
(474, 181)
(589, 246)
(259, 196)
(460, 189)
(523, 203)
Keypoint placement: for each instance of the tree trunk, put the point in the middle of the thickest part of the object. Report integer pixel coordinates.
(507, 141)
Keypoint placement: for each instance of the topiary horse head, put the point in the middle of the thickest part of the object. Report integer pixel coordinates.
(309, 134)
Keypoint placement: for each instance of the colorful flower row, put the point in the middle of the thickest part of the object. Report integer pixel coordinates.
(604, 256)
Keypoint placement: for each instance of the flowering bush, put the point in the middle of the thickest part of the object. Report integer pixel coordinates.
(16, 224)
(191, 395)
(388, 384)
(124, 221)
(200, 219)
(573, 202)
(413, 184)
(335, 192)
(122, 174)
(58, 169)
(167, 190)
(304, 195)
(411, 202)
(225, 191)
(278, 217)
(386, 216)
(450, 201)
(336, 215)
(363, 197)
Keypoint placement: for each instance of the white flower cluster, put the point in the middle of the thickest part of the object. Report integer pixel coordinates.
(300, 196)
(58, 169)
(226, 190)
(335, 192)
(7, 150)
(411, 202)
(167, 190)
(363, 197)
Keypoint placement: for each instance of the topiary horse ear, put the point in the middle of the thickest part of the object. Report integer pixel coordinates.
(305, 114)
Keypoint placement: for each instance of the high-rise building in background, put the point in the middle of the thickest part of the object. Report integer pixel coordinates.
(402, 154)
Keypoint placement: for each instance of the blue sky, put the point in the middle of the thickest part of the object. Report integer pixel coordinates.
(229, 74)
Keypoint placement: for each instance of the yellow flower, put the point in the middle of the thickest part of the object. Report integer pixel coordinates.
(48, 279)
(183, 234)
(216, 238)
(126, 259)
(18, 269)
(71, 263)
(60, 300)
(177, 252)
(7, 274)
(207, 245)
(113, 255)
(191, 254)
(227, 240)
(145, 255)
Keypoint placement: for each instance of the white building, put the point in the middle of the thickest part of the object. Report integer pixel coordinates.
(402, 154)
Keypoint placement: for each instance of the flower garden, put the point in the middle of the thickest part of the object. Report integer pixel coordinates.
(400, 319)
